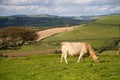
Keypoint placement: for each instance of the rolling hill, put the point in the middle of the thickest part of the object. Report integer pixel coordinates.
(42, 20)
(102, 33)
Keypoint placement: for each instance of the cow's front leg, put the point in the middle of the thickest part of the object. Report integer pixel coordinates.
(65, 57)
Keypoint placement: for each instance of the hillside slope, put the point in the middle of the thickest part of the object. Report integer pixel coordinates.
(101, 33)
(113, 20)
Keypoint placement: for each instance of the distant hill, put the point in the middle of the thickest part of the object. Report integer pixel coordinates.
(43, 20)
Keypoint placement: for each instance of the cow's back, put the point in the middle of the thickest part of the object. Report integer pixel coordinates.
(73, 48)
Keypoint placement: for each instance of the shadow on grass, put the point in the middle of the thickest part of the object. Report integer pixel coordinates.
(104, 61)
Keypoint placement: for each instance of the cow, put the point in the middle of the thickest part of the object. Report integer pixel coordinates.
(82, 49)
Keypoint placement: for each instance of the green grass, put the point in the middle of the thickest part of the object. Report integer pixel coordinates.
(96, 35)
(48, 67)
(33, 47)
(87, 32)
(109, 20)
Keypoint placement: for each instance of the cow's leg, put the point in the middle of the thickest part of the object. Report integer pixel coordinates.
(65, 57)
(62, 57)
(80, 56)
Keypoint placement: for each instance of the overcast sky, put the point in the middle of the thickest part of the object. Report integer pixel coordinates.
(59, 7)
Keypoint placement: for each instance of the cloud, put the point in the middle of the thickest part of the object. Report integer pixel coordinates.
(26, 2)
(59, 2)
(59, 7)
(82, 1)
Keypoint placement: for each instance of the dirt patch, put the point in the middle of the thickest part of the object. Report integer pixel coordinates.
(49, 32)
(29, 53)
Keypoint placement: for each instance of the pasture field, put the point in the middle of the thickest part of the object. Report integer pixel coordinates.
(100, 33)
(109, 20)
(97, 36)
(48, 67)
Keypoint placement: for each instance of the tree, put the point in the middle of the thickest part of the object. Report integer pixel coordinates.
(15, 37)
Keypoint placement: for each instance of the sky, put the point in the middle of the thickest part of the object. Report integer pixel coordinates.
(59, 7)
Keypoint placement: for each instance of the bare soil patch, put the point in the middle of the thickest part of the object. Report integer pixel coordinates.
(49, 32)
(29, 53)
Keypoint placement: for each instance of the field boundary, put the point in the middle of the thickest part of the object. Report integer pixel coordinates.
(29, 53)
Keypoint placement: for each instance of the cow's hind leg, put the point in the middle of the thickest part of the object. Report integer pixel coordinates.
(80, 56)
(62, 57)
(65, 57)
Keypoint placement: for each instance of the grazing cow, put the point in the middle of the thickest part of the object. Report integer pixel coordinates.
(81, 49)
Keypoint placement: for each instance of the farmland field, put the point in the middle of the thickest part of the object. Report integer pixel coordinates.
(100, 33)
(48, 67)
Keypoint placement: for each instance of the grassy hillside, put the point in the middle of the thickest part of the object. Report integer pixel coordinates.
(48, 67)
(100, 33)
(109, 20)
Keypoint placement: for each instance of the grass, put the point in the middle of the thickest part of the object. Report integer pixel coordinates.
(87, 32)
(109, 20)
(32, 47)
(96, 35)
(48, 67)
(105, 27)
(100, 33)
